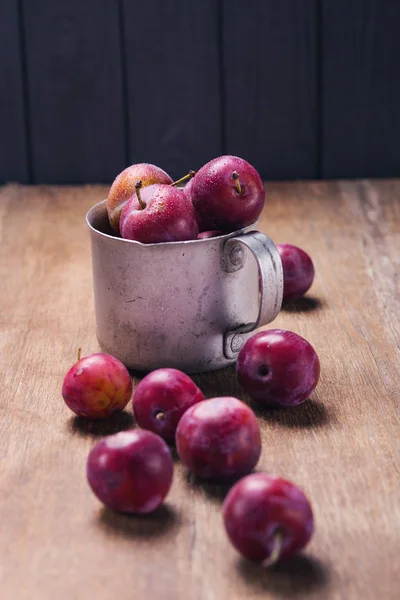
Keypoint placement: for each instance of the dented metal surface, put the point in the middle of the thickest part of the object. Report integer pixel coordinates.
(188, 305)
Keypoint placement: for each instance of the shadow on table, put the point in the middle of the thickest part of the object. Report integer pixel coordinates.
(297, 575)
(120, 421)
(222, 382)
(174, 452)
(156, 524)
(310, 413)
(212, 490)
(303, 304)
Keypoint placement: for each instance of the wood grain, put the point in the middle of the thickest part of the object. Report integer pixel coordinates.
(75, 90)
(13, 146)
(270, 85)
(341, 445)
(360, 54)
(173, 83)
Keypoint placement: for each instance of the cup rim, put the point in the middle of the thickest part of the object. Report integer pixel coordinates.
(103, 203)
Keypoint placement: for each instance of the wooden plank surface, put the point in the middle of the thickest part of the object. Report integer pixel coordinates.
(75, 90)
(173, 83)
(341, 445)
(270, 85)
(360, 55)
(13, 146)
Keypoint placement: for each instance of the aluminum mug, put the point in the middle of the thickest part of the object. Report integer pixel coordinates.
(188, 305)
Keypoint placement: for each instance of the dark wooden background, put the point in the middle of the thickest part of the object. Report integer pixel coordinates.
(301, 88)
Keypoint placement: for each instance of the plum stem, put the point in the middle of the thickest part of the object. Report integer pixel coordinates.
(79, 354)
(235, 177)
(184, 178)
(139, 197)
(160, 416)
(276, 550)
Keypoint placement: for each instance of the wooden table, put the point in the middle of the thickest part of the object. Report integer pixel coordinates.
(341, 446)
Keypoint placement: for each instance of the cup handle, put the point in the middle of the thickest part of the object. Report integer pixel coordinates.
(270, 283)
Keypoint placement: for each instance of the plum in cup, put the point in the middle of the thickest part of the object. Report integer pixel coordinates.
(124, 184)
(206, 235)
(227, 193)
(158, 213)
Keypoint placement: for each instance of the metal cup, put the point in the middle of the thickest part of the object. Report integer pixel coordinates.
(188, 305)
